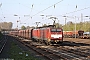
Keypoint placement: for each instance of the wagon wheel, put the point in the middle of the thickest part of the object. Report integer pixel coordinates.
(48, 43)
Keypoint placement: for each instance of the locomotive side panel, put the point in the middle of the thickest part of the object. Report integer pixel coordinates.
(47, 34)
(41, 34)
(35, 34)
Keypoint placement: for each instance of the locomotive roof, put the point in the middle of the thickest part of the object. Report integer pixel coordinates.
(50, 26)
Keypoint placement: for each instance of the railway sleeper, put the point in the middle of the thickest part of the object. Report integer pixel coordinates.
(77, 52)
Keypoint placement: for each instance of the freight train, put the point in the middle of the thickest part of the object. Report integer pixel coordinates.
(71, 34)
(47, 35)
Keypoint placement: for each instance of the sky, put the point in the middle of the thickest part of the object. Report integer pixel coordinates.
(28, 12)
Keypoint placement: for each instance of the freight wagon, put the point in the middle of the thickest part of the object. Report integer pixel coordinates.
(71, 34)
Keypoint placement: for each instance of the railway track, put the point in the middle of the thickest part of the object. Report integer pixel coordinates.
(57, 53)
(3, 43)
(74, 53)
(47, 53)
(44, 52)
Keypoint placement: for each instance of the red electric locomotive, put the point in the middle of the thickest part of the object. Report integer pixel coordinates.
(48, 35)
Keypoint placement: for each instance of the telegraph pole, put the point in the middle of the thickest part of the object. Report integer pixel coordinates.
(81, 21)
(37, 23)
(75, 26)
(17, 22)
(75, 23)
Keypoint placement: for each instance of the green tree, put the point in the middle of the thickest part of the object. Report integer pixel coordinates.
(23, 27)
(6, 25)
(70, 26)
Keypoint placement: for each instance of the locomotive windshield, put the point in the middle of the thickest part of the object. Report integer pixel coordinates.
(59, 30)
(56, 30)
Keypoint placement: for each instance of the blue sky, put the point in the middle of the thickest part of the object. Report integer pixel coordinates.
(24, 10)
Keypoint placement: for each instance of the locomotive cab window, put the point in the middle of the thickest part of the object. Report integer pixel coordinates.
(53, 30)
(56, 30)
(59, 30)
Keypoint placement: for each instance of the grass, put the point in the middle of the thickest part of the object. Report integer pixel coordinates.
(17, 53)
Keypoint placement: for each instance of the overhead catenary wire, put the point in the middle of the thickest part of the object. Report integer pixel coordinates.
(47, 8)
(76, 11)
(54, 5)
